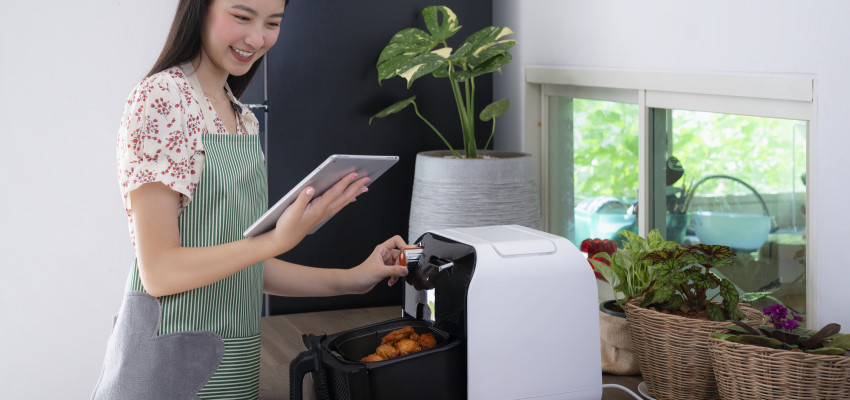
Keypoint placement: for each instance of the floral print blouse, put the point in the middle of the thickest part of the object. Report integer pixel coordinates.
(159, 139)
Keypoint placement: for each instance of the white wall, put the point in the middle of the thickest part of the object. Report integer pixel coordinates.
(66, 69)
(720, 36)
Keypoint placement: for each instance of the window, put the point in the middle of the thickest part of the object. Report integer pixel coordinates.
(741, 185)
(704, 159)
(593, 176)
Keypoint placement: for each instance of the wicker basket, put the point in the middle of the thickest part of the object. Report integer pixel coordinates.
(673, 353)
(745, 371)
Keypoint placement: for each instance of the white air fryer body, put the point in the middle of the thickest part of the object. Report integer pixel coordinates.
(532, 316)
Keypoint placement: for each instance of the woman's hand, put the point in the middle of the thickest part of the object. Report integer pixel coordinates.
(382, 263)
(306, 213)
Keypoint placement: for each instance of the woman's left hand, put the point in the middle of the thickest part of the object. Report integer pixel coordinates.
(382, 263)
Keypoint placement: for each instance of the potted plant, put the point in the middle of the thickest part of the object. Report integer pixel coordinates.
(628, 273)
(671, 323)
(678, 204)
(505, 191)
(626, 269)
(781, 360)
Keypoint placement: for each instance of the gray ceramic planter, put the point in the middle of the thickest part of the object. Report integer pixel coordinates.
(455, 192)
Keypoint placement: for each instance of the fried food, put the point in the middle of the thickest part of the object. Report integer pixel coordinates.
(387, 351)
(407, 346)
(427, 341)
(397, 335)
(401, 342)
(372, 357)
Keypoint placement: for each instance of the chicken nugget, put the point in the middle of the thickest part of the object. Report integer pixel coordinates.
(387, 351)
(397, 335)
(427, 341)
(407, 346)
(372, 357)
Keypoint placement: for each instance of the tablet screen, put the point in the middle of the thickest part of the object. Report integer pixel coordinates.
(321, 179)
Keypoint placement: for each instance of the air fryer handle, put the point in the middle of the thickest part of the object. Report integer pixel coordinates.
(307, 361)
(302, 364)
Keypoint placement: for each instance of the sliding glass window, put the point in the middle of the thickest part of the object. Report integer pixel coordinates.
(737, 181)
(593, 174)
(712, 177)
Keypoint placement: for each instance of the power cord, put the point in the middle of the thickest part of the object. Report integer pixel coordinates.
(623, 388)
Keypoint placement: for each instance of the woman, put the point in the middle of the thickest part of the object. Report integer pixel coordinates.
(192, 177)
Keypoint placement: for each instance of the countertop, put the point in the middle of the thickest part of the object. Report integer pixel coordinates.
(281, 342)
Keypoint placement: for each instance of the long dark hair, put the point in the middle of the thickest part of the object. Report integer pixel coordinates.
(184, 43)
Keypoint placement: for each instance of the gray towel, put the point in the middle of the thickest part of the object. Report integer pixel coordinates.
(140, 365)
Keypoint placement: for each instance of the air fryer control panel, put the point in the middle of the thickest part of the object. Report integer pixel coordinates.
(447, 267)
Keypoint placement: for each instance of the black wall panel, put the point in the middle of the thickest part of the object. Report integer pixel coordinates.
(322, 89)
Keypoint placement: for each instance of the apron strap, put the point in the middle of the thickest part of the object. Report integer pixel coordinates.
(209, 120)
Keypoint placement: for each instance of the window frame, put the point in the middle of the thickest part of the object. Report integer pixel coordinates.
(761, 95)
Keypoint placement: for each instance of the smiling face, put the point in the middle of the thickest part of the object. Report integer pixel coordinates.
(236, 33)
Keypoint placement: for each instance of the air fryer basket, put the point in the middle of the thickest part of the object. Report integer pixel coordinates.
(356, 344)
(338, 373)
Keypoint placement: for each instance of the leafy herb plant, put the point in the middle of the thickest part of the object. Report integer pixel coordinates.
(412, 53)
(786, 334)
(627, 270)
(684, 278)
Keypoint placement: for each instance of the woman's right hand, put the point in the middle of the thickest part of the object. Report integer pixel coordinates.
(306, 212)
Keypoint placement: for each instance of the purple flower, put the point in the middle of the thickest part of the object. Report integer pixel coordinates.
(779, 317)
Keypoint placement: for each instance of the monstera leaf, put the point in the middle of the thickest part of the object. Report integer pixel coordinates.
(409, 53)
(413, 53)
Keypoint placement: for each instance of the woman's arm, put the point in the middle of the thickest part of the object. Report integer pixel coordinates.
(286, 279)
(165, 267)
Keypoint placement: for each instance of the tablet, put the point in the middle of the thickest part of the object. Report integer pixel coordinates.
(321, 179)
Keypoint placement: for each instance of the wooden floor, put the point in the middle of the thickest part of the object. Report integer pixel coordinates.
(281, 342)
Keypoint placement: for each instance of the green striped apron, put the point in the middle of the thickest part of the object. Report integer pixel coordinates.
(231, 195)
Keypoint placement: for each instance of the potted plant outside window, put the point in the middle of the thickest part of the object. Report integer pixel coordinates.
(678, 201)
(670, 325)
(474, 187)
(781, 360)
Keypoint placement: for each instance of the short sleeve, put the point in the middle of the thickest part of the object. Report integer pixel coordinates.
(156, 140)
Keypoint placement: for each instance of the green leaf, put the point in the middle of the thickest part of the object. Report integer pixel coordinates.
(827, 350)
(393, 108)
(485, 44)
(735, 314)
(440, 32)
(821, 335)
(674, 303)
(760, 341)
(654, 238)
(623, 258)
(425, 64)
(725, 336)
(492, 64)
(702, 281)
(717, 255)
(662, 294)
(660, 256)
(443, 72)
(715, 312)
(841, 341)
(407, 43)
(459, 76)
(784, 337)
(728, 291)
(606, 271)
(412, 68)
(741, 327)
(494, 109)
